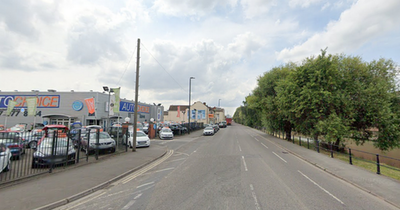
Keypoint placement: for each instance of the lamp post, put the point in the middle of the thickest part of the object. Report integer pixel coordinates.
(190, 92)
(109, 90)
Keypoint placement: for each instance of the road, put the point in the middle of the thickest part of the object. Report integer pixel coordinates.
(234, 169)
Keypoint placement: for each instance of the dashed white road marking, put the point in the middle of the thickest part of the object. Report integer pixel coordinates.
(254, 197)
(279, 157)
(149, 183)
(264, 145)
(326, 191)
(244, 163)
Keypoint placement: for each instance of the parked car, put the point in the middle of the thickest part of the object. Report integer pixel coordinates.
(5, 158)
(32, 138)
(166, 133)
(208, 131)
(105, 142)
(216, 128)
(116, 131)
(221, 125)
(142, 140)
(50, 130)
(53, 151)
(13, 141)
(146, 128)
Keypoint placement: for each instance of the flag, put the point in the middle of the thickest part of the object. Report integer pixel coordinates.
(10, 107)
(32, 105)
(90, 105)
(117, 99)
(179, 111)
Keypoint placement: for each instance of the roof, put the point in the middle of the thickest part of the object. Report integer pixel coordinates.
(175, 107)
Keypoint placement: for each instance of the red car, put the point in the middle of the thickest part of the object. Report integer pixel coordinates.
(60, 129)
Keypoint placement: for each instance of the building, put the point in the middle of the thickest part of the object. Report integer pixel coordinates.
(67, 107)
(200, 112)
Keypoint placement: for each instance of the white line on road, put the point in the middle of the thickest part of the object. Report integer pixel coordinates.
(280, 157)
(240, 149)
(149, 183)
(264, 145)
(256, 139)
(254, 197)
(166, 169)
(244, 163)
(146, 168)
(321, 188)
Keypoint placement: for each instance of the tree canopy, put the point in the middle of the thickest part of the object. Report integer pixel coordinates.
(334, 96)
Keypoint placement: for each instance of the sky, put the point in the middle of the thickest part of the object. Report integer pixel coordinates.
(225, 45)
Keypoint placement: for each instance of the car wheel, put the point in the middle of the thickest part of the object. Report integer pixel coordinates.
(112, 150)
(7, 168)
(33, 144)
(130, 145)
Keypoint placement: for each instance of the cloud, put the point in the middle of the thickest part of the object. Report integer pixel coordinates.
(190, 7)
(302, 3)
(254, 8)
(354, 28)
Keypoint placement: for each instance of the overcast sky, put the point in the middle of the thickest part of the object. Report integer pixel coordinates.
(225, 44)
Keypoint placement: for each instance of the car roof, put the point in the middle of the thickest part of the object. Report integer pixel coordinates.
(55, 126)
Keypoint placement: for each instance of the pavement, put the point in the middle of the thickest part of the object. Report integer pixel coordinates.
(47, 192)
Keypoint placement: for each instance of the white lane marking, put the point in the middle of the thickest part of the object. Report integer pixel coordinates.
(176, 160)
(280, 157)
(87, 200)
(244, 163)
(240, 149)
(128, 205)
(149, 183)
(146, 168)
(137, 196)
(264, 145)
(256, 139)
(321, 188)
(254, 197)
(165, 169)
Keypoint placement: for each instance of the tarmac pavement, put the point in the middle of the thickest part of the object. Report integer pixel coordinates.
(49, 192)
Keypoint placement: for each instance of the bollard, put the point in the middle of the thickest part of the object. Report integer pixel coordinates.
(317, 146)
(350, 159)
(378, 166)
(308, 143)
(299, 140)
(330, 145)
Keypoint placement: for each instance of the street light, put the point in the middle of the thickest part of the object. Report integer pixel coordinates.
(109, 90)
(190, 92)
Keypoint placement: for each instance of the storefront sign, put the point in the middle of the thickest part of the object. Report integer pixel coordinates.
(130, 107)
(43, 101)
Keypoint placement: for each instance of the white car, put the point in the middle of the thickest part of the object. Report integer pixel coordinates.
(5, 158)
(142, 140)
(105, 142)
(208, 131)
(166, 133)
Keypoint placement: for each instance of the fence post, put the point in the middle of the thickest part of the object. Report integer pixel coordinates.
(350, 158)
(299, 140)
(317, 145)
(97, 143)
(308, 143)
(378, 166)
(330, 145)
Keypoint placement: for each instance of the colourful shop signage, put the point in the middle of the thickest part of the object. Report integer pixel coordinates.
(43, 101)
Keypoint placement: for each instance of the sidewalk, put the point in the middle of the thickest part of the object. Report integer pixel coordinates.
(383, 187)
(60, 185)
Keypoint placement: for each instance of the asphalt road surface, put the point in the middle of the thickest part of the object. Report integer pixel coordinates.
(234, 169)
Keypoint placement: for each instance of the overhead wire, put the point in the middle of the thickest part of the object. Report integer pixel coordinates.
(163, 67)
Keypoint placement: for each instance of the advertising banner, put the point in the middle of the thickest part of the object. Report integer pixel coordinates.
(201, 114)
(32, 105)
(90, 105)
(117, 99)
(10, 107)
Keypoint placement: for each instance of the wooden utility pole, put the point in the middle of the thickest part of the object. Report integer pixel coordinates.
(136, 97)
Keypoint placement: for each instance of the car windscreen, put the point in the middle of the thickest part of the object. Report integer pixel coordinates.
(140, 134)
(102, 136)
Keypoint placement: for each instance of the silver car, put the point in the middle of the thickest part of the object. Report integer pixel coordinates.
(105, 142)
(5, 158)
(166, 133)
